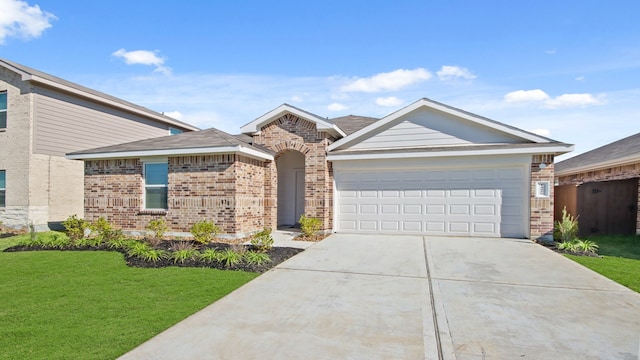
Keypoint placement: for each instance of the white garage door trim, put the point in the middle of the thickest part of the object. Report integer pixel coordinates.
(455, 196)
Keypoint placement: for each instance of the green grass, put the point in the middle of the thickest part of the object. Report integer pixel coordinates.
(91, 305)
(620, 260)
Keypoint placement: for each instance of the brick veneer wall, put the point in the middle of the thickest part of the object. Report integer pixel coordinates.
(208, 187)
(541, 213)
(624, 172)
(287, 133)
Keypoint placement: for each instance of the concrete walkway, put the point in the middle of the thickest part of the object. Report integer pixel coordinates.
(411, 297)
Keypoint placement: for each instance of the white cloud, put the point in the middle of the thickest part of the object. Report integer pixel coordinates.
(19, 19)
(143, 57)
(564, 100)
(572, 100)
(389, 81)
(449, 73)
(526, 96)
(389, 101)
(337, 107)
(580, 78)
(541, 132)
(296, 99)
(550, 52)
(174, 114)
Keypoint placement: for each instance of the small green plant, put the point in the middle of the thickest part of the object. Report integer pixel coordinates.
(209, 255)
(577, 245)
(566, 229)
(204, 231)
(158, 227)
(105, 231)
(76, 227)
(256, 258)
(183, 251)
(121, 243)
(309, 225)
(154, 255)
(54, 240)
(230, 257)
(262, 241)
(138, 249)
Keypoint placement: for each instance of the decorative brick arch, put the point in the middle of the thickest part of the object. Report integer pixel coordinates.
(281, 147)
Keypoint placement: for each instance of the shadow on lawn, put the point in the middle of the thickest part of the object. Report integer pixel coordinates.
(623, 246)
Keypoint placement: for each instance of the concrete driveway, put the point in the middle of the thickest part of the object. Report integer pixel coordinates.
(414, 297)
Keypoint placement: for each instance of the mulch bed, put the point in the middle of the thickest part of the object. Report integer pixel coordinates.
(276, 254)
(553, 247)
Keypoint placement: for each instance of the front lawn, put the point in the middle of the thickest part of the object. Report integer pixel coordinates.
(91, 305)
(620, 260)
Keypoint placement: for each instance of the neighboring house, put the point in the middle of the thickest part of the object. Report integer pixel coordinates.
(601, 187)
(425, 169)
(42, 118)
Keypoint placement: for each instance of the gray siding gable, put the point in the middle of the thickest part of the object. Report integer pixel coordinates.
(432, 128)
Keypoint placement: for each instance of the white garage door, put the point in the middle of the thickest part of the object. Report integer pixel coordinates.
(489, 202)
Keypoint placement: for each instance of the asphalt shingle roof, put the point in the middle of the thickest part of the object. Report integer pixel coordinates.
(352, 123)
(623, 148)
(190, 140)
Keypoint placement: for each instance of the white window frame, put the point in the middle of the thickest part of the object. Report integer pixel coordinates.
(4, 189)
(145, 186)
(543, 189)
(5, 110)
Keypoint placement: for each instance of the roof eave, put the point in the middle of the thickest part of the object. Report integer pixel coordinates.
(363, 155)
(627, 160)
(321, 125)
(239, 149)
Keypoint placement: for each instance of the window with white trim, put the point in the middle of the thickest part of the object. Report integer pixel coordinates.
(3, 110)
(543, 189)
(3, 187)
(174, 131)
(156, 184)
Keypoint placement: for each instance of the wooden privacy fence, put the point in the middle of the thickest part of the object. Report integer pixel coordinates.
(603, 208)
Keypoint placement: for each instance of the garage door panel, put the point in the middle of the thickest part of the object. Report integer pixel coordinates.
(463, 202)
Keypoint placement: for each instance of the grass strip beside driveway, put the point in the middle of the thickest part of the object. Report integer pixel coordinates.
(91, 305)
(620, 260)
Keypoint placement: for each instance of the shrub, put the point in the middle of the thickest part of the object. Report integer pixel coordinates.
(577, 245)
(182, 252)
(262, 241)
(158, 227)
(566, 229)
(204, 231)
(256, 258)
(309, 225)
(138, 249)
(76, 227)
(153, 255)
(54, 240)
(209, 255)
(230, 257)
(105, 231)
(121, 243)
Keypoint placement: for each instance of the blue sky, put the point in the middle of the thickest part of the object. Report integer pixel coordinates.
(569, 70)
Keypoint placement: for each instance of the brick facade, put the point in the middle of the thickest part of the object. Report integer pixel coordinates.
(220, 188)
(291, 133)
(541, 208)
(624, 172)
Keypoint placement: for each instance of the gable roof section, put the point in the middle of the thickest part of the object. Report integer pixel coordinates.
(617, 153)
(36, 76)
(494, 137)
(321, 124)
(352, 123)
(204, 142)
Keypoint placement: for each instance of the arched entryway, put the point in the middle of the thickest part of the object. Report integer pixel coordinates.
(291, 186)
